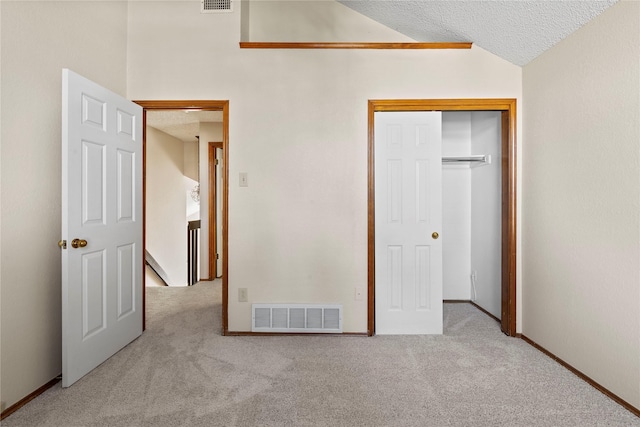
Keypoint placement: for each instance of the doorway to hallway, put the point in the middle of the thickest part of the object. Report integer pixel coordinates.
(208, 258)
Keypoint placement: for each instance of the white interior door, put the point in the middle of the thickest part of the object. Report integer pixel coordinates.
(219, 200)
(102, 224)
(408, 211)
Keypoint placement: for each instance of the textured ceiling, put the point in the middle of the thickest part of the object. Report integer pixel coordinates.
(181, 124)
(515, 30)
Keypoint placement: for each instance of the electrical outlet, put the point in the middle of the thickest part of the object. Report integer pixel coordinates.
(243, 295)
(359, 294)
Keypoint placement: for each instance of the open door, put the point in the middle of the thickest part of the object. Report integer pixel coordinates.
(102, 254)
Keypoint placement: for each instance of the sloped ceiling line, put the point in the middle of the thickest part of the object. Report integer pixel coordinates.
(515, 30)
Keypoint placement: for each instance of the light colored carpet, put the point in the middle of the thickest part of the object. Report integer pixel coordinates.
(182, 372)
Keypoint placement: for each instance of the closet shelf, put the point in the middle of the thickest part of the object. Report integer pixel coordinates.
(482, 159)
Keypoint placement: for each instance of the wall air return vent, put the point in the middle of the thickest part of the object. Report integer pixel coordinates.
(296, 318)
(216, 6)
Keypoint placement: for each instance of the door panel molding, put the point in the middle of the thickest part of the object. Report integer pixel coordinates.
(202, 105)
(101, 185)
(509, 170)
(409, 209)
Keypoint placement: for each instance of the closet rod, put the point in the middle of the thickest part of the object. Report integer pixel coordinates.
(458, 159)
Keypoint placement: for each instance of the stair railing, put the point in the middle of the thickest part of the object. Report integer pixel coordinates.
(193, 233)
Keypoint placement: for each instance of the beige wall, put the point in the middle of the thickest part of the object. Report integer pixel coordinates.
(313, 21)
(298, 127)
(38, 40)
(166, 208)
(191, 162)
(581, 232)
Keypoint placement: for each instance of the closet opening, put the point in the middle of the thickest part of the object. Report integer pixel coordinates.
(471, 208)
(478, 203)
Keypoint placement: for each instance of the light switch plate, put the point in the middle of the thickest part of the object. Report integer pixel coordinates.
(244, 179)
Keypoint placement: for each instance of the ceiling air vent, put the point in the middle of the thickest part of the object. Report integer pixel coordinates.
(216, 6)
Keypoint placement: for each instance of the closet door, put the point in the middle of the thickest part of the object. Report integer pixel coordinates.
(408, 220)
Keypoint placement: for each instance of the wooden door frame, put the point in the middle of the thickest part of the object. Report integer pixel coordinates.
(199, 105)
(507, 107)
(213, 208)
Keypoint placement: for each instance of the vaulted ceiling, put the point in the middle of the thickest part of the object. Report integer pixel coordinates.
(515, 30)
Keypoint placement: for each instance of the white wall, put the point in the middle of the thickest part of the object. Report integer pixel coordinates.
(471, 202)
(456, 207)
(166, 208)
(191, 178)
(581, 231)
(38, 39)
(209, 132)
(298, 127)
(486, 212)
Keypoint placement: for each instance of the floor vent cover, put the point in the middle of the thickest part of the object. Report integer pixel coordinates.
(296, 318)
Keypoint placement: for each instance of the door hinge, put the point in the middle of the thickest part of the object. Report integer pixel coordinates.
(217, 162)
(217, 256)
(62, 244)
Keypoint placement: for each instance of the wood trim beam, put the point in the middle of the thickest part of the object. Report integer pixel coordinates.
(225, 219)
(354, 45)
(200, 105)
(509, 220)
(492, 104)
(628, 406)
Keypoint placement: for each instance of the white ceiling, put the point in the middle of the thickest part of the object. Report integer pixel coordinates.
(515, 30)
(181, 124)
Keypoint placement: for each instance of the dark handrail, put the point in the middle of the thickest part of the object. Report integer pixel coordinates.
(193, 231)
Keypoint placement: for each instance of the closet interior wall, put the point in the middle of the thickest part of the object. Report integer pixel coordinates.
(471, 203)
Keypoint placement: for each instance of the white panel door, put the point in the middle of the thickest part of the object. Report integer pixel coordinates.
(102, 224)
(219, 200)
(408, 211)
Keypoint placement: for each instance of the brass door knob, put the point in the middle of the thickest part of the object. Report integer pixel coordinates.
(78, 243)
(435, 235)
